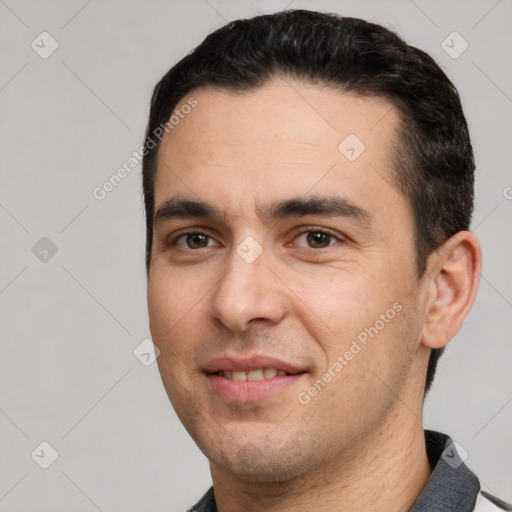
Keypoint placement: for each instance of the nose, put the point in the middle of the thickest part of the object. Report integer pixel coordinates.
(247, 294)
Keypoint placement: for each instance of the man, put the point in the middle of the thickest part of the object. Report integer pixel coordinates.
(308, 183)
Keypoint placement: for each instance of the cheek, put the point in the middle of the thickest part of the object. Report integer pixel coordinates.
(335, 305)
(161, 306)
(173, 309)
(175, 320)
(361, 319)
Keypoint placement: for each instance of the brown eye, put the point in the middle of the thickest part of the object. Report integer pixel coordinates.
(316, 239)
(194, 241)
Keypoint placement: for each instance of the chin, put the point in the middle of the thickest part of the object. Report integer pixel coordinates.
(265, 463)
(263, 472)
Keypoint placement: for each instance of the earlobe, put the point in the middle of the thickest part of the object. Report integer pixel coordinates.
(454, 276)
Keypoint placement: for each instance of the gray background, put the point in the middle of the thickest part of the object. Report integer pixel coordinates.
(71, 321)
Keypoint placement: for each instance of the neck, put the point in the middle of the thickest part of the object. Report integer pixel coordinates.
(386, 470)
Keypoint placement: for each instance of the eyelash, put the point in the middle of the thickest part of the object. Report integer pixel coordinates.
(174, 240)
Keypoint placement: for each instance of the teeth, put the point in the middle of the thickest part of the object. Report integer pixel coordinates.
(269, 373)
(259, 374)
(255, 375)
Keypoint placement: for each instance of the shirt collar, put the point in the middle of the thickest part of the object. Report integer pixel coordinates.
(451, 486)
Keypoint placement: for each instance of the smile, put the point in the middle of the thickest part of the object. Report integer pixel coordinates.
(253, 375)
(244, 378)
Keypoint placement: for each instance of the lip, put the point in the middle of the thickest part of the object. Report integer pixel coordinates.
(250, 391)
(246, 364)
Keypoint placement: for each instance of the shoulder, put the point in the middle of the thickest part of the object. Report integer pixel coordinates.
(206, 503)
(452, 486)
(486, 502)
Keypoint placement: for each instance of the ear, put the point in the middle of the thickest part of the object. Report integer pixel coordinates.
(453, 277)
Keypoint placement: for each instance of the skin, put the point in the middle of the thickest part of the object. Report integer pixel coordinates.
(360, 440)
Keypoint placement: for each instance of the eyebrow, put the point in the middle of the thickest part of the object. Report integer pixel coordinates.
(327, 206)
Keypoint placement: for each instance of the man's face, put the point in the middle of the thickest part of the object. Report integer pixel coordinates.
(261, 282)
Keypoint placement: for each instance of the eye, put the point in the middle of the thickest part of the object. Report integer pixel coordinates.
(316, 239)
(195, 240)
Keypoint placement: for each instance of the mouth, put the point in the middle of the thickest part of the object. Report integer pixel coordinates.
(250, 379)
(253, 375)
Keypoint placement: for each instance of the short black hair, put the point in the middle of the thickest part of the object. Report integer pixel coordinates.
(433, 165)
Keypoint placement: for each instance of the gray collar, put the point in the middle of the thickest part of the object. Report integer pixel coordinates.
(451, 486)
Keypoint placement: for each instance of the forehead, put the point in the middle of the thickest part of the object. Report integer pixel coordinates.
(285, 139)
